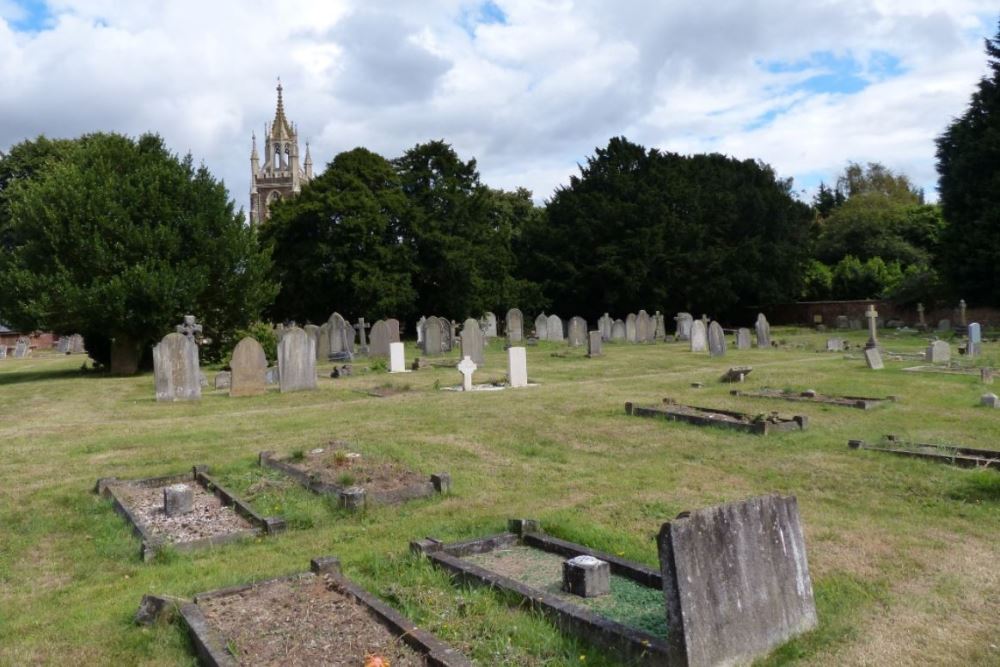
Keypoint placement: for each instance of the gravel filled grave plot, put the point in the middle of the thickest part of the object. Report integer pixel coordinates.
(340, 470)
(215, 516)
(859, 402)
(760, 424)
(312, 618)
(966, 457)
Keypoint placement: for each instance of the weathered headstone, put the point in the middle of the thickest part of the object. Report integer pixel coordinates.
(271, 375)
(397, 358)
(420, 330)
(542, 327)
(3, 351)
(555, 329)
(631, 328)
(296, 361)
(962, 317)
(473, 345)
(834, 344)
(393, 325)
(990, 400)
(659, 327)
(843, 322)
(313, 332)
(939, 352)
(361, 327)
(341, 336)
(22, 348)
(517, 367)
(644, 327)
(683, 321)
(62, 345)
(433, 331)
(378, 342)
(222, 380)
(735, 580)
(698, 336)
(248, 367)
(716, 340)
(872, 316)
(178, 499)
(986, 375)
(595, 344)
(921, 322)
(323, 342)
(944, 325)
(576, 333)
(467, 367)
(448, 334)
(975, 345)
(618, 331)
(604, 325)
(763, 329)
(490, 325)
(586, 576)
(743, 339)
(874, 358)
(175, 369)
(515, 325)
(190, 328)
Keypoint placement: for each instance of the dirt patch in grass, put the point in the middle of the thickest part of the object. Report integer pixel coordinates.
(303, 622)
(208, 518)
(336, 464)
(629, 603)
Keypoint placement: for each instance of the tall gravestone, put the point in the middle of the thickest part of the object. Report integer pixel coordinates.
(379, 339)
(555, 328)
(576, 332)
(313, 332)
(420, 330)
(542, 327)
(296, 361)
(248, 366)
(341, 336)
(595, 344)
(175, 369)
(763, 331)
(515, 325)
(631, 330)
(699, 336)
(644, 327)
(604, 325)
(684, 321)
(433, 330)
(975, 344)
(716, 340)
(323, 342)
(473, 343)
(448, 334)
(743, 339)
(659, 327)
(618, 331)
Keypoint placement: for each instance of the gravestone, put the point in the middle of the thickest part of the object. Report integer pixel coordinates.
(743, 339)
(378, 342)
(595, 344)
(644, 328)
(716, 340)
(22, 348)
(872, 316)
(490, 325)
(341, 336)
(555, 329)
(393, 325)
(874, 358)
(683, 321)
(296, 361)
(618, 331)
(313, 332)
(175, 369)
(921, 321)
(975, 344)
(843, 322)
(604, 325)
(631, 328)
(397, 358)
(542, 327)
(515, 325)
(763, 331)
(62, 345)
(77, 344)
(735, 581)
(517, 367)
(659, 327)
(420, 330)
(576, 332)
(361, 327)
(190, 328)
(944, 325)
(989, 401)
(323, 343)
(271, 375)
(467, 367)
(962, 321)
(433, 332)
(473, 344)
(3, 351)
(223, 379)
(855, 325)
(248, 367)
(124, 355)
(698, 336)
(834, 344)
(939, 352)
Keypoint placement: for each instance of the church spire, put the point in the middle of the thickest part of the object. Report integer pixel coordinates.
(281, 128)
(308, 164)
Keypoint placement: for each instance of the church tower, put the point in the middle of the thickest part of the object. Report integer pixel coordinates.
(281, 175)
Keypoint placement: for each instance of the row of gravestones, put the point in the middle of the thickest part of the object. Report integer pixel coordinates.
(337, 339)
(711, 338)
(22, 349)
(70, 344)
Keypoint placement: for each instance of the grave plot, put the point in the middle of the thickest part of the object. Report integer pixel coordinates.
(386, 390)
(966, 457)
(761, 424)
(312, 618)
(617, 603)
(355, 479)
(809, 396)
(187, 512)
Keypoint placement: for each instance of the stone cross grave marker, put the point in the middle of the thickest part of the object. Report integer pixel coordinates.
(397, 358)
(467, 367)
(473, 343)
(921, 322)
(874, 358)
(699, 337)
(872, 316)
(517, 367)
(248, 367)
(743, 339)
(939, 352)
(716, 340)
(175, 368)
(595, 344)
(361, 327)
(190, 328)
(961, 313)
(296, 361)
(763, 331)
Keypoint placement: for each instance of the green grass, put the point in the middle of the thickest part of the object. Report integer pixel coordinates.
(902, 552)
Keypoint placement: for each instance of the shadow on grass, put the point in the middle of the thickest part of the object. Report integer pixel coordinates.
(24, 377)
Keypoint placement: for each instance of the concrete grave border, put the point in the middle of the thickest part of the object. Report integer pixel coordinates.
(347, 496)
(859, 402)
(965, 457)
(212, 650)
(706, 418)
(568, 617)
(151, 544)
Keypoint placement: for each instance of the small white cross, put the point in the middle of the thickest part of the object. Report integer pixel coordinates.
(467, 367)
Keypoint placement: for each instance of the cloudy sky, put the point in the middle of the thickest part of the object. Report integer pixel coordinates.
(527, 87)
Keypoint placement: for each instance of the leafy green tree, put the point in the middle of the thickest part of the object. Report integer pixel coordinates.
(342, 243)
(968, 163)
(21, 163)
(871, 279)
(117, 239)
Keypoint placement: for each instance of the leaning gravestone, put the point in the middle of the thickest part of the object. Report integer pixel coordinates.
(576, 332)
(604, 325)
(515, 325)
(618, 331)
(175, 369)
(716, 340)
(555, 328)
(595, 344)
(975, 345)
(699, 337)
(763, 331)
(296, 361)
(433, 330)
(379, 339)
(631, 328)
(939, 352)
(542, 327)
(644, 327)
(735, 580)
(874, 359)
(743, 339)
(684, 321)
(341, 335)
(473, 344)
(248, 366)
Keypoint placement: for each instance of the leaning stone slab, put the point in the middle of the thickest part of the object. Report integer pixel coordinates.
(716, 340)
(736, 581)
(874, 359)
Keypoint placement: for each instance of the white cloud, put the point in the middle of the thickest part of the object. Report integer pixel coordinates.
(528, 98)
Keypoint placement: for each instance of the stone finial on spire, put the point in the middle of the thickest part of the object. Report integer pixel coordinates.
(253, 150)
(281, 127)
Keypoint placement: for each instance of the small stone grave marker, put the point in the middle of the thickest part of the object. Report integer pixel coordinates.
(743, 339)
(874, 359)
(834, 344)
(467, 367)
(594, 344)
(990, 400)
(939, 352)
(586, 576)
(223, 379)
(698, 336)
(517, 367)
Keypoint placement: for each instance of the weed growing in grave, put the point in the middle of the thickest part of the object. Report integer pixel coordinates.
(297, 455)
(378, 365)
(346, 479)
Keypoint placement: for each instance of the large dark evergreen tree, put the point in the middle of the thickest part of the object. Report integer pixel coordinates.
(969, 168)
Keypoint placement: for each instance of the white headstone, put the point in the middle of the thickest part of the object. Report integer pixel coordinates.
(939, 352)
(975, 345)
(699, 336)
(467, 367)
(397, 358)
(517, 367)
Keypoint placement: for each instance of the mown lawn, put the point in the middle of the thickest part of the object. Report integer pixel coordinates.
(903, 553)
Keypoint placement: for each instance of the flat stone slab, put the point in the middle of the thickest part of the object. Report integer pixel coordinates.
(321, 616)
(859, 402)
(217, 515)
(738, 421)
(958, 455)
